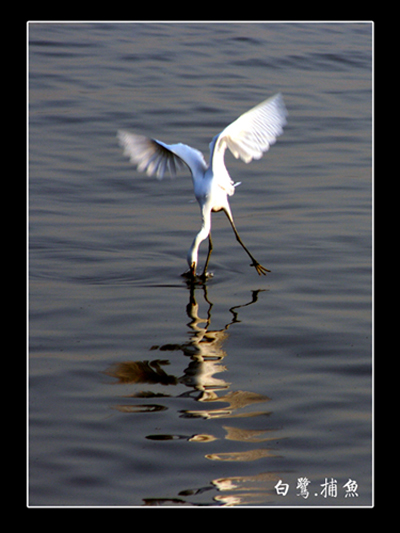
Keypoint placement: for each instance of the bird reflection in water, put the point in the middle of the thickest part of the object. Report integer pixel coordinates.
(215, 397)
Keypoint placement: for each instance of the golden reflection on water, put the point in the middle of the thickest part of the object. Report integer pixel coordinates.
(246, 490)
(206, 353)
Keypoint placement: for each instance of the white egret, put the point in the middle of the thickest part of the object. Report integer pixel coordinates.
(248, 137)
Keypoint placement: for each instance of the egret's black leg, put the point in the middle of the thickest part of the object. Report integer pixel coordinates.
(259, 268)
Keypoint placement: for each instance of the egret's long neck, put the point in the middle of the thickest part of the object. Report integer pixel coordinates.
(193, 252)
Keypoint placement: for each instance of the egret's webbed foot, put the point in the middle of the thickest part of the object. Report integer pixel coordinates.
(260, 269)
(205, 276)
(196, 279)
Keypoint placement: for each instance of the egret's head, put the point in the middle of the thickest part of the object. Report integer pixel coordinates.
(192, 257)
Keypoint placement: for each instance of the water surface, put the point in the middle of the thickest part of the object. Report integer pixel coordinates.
(144, 391)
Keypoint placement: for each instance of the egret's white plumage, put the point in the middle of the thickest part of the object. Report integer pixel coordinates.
(248, 137)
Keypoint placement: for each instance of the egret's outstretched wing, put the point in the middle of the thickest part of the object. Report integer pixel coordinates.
(155, 157)
(252, 133)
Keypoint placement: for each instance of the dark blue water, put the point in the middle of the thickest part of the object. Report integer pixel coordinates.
(142, 391)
